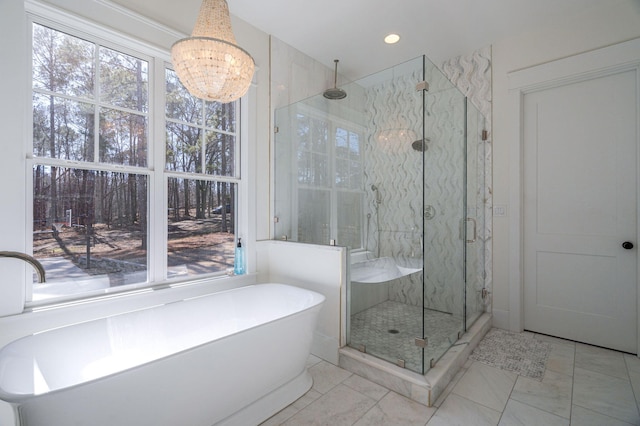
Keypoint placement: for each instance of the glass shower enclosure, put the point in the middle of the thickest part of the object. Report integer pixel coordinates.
(394, 172)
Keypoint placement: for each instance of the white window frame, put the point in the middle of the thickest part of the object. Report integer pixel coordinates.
(158, 60)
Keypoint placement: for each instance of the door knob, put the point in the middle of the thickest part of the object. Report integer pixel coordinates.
(627, 245)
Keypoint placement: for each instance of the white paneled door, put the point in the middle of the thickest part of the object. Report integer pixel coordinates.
(580, 209)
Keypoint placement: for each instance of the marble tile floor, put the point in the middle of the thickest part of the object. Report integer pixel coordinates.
(582, 386)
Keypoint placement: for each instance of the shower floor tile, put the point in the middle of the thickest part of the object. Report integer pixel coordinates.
(388, 331)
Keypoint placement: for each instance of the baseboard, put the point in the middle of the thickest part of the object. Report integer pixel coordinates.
(325, 347)
(501, 319)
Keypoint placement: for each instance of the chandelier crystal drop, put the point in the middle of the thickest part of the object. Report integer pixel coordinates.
(209, 63)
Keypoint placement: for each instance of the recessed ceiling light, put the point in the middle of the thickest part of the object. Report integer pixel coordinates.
(392, 38)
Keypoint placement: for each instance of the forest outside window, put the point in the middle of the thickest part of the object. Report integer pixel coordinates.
(97, 240)
(92, 170)
(90, 116)
(201, 163)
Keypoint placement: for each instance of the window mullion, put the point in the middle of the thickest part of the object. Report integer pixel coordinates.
(158, 182)
(238, 172)
(96, 115)
(203, 151)
(203, 148)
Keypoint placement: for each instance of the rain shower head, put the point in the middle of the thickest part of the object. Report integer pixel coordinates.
(334, 92)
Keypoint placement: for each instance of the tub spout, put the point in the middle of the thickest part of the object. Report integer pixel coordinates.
(29, 259)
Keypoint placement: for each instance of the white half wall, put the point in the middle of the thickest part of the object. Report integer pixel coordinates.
(315, 267)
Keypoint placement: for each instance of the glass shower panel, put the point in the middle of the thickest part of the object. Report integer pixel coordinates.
(384, 172)
(313, 216)
(285, 172)
(319, 159)
(349, 218)
(444, 215)
(385, 290)
(475, 221)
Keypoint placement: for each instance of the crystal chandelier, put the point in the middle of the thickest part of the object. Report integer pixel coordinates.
(209, 63)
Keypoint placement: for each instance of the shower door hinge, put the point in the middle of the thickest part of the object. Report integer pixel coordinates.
(421, 342)
(423, 85)
(276, 219)
(484, 293)
(485, 135)
(276, 129)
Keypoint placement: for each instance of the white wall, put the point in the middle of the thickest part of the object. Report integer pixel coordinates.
(13, 113)
(295, 76)
(608, 23)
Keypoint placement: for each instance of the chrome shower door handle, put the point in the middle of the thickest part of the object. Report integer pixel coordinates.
(475, 229)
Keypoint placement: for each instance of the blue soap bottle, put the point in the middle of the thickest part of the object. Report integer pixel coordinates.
(238, 263)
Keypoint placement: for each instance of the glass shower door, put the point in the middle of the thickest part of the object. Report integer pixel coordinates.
(444, 214)
(385, 290)
(454, 214)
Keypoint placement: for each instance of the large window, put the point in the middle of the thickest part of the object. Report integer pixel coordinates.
(93, 169)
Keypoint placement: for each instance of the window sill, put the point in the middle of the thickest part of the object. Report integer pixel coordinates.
(35, 319)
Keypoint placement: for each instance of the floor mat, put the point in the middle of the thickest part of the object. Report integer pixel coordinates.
(515, 352)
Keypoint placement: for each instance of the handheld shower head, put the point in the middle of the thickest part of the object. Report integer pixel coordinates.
(375, 189)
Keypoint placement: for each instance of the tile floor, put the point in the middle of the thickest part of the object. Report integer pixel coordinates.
(582, 386)
(388, 331)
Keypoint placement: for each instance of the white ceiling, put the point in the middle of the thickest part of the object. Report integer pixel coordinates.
(352, 30)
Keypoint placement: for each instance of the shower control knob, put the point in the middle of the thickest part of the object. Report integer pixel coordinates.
(429, 212)
(627, 245)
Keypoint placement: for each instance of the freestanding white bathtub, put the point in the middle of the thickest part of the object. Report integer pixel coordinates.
(230, 358)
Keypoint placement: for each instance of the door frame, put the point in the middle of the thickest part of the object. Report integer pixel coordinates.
(620, 57)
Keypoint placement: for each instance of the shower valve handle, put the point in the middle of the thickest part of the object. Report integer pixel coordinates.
(627, 245)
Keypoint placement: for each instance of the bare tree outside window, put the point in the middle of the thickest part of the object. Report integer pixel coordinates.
(201, 148)
(89, 225)
(92, 170)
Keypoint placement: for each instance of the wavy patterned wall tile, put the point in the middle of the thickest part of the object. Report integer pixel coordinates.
(472, 75)
(395, 117)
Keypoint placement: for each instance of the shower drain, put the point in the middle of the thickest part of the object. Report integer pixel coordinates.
(393, 331)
